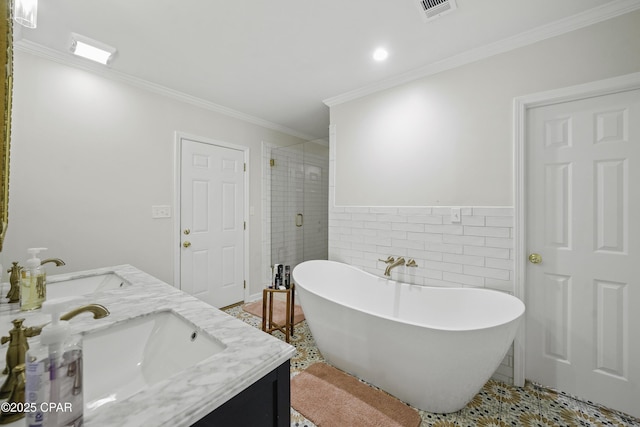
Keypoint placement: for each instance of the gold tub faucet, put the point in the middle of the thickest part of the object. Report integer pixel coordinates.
(399, 261)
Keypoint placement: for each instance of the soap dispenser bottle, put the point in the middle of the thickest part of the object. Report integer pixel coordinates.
(33, 282)
(54, 372)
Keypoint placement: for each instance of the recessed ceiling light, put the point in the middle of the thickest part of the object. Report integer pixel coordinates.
(91, 49)
(380, 54)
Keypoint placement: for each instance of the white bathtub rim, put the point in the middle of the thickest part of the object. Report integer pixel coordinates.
(516, 300)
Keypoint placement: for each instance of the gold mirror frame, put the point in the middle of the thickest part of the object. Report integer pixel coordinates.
(6, 76)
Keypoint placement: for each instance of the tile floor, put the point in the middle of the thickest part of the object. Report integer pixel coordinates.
(497, 404)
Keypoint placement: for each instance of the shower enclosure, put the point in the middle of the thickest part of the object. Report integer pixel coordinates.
(299, 203)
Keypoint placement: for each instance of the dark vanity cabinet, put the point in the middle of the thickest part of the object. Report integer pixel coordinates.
(265, 403)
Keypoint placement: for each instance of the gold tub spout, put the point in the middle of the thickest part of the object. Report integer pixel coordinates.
(399, 261)
(99, 311)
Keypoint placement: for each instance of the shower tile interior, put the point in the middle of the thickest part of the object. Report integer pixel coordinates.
(497, 405)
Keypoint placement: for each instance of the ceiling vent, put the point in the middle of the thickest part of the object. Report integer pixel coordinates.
(432, 9)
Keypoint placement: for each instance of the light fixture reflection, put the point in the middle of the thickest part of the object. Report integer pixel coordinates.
(91, 49)
(26, 13)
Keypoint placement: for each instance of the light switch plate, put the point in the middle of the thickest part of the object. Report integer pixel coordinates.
(163, 211)
(455, 215)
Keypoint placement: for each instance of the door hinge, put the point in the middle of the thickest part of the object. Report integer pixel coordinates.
(245, 225)
(272, 162)
(245, 167)
(245, 284)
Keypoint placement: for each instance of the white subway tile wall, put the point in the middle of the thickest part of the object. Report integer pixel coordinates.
(447, 254)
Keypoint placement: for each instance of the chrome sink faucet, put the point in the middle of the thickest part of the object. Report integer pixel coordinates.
(392, 265)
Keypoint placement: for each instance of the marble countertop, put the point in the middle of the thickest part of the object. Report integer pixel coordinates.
(191, 394)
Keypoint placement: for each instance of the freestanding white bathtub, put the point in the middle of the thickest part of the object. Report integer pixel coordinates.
(431, 347)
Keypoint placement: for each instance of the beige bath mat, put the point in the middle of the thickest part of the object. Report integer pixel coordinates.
(329, 397)
(279, 307)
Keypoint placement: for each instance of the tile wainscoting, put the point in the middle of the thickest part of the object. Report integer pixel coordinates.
(477, 251)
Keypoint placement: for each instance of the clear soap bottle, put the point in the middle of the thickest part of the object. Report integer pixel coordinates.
(33, 282)
(54, 373)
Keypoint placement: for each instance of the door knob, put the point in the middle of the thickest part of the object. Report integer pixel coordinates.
(187, 231)
(186, 244)
(535, 258)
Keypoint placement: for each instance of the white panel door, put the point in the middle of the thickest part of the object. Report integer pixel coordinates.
(583, 218)
(212, 223)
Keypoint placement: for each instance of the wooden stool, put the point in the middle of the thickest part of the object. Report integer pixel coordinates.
(268, 325)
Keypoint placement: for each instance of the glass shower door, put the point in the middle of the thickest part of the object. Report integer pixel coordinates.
(299, 203)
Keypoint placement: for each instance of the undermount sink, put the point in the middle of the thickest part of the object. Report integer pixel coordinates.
(84, 285)
(129, 357)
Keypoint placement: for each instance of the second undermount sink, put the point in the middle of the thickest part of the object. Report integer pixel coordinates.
(84, 285)
(136, 354)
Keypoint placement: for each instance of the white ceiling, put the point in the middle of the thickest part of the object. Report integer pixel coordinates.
(277, 60)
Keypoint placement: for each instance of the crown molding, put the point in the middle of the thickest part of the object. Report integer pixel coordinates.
(39, 50)
(553, 29)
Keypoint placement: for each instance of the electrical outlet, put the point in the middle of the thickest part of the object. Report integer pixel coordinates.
(163, 211)
(455, 215)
